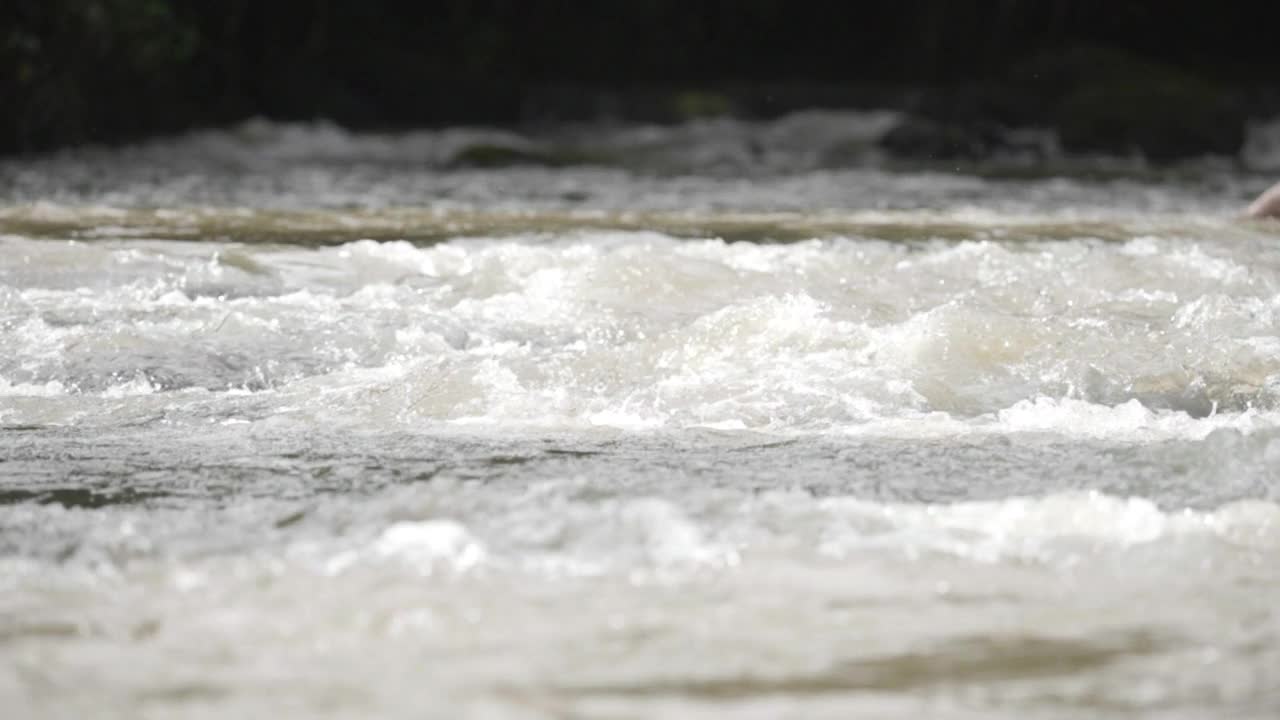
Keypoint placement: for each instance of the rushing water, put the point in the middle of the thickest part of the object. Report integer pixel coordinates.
(734, 420)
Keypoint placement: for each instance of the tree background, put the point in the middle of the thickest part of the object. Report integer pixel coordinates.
(76, 71)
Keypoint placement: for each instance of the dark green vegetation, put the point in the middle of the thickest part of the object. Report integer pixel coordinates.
(1171, 78)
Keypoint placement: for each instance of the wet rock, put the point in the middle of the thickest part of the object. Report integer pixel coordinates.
(1164, 122)
(1109, 101)
(1095, 101)
(968, 122)
(922, 138)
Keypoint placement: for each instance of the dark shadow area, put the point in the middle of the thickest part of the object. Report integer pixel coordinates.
(1169, 79)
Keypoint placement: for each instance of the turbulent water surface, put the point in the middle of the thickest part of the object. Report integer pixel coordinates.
(725, 419)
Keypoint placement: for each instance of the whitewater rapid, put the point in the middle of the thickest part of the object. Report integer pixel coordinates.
(300, 423)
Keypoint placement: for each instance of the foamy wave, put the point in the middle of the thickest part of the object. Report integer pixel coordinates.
(582, 528)
(551, 530)
(644, 331)
(1058, 528)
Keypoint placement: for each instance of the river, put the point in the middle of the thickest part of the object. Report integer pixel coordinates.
(726, 419)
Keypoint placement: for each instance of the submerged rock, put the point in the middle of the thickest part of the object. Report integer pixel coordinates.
(492, 155)
(499, 155)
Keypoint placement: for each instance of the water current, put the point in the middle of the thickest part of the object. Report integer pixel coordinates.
(725, 419)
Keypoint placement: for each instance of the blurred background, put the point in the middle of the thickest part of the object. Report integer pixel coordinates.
(1169, 80)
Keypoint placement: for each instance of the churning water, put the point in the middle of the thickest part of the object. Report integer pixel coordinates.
(733, 420)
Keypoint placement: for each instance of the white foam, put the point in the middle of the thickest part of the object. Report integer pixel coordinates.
(1051, 529)
(427, 544)
(837, 336)
(51, 388)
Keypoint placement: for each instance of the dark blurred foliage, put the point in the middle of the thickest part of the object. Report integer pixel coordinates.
(73, 71)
